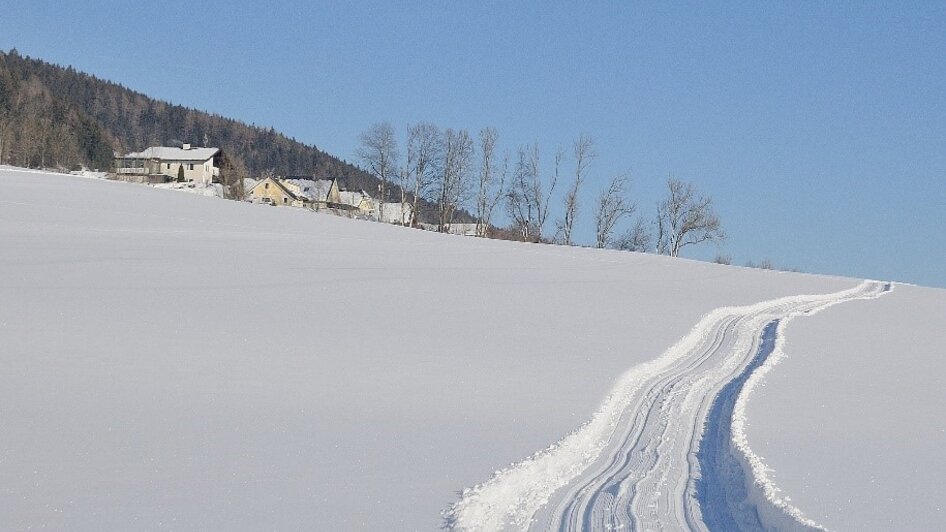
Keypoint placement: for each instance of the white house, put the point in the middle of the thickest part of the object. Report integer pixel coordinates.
(397, 213)
(201, 165)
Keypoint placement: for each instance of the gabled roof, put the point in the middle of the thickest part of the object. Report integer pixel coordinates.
(315, 190)
(276, 182)
(350, 197)
(168, 153)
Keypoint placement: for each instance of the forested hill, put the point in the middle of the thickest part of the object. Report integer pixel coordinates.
(57, 117)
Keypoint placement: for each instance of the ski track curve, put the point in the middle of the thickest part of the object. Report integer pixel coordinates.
(636, 464)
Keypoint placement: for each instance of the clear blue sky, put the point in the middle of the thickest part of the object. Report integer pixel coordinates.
(818, 128)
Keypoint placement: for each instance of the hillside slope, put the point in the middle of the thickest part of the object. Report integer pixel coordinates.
(39, 95)
(174, 361)
(57, 117)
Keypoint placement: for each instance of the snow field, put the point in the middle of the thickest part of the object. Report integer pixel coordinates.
(631, 464)
(180, 362)
(850, 425)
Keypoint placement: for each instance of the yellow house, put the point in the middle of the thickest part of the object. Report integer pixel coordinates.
(313, 194)
(271, 191)
(294, 192)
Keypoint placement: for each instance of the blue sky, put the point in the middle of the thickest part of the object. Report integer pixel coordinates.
(819, 129)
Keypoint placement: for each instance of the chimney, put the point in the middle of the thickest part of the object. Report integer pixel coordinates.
(187, 146)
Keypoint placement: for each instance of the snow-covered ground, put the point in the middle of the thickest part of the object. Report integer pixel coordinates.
(211, 190)
(852, 421)
(644, 461)
(181, 362)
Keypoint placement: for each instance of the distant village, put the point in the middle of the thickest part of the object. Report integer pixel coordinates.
(198, 169)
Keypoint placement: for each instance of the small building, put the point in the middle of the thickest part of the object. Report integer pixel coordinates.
(321, 193)
(358, 201)
(397, 213)
(272, 191)
(197, 165)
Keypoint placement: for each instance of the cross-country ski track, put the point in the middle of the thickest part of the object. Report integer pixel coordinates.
(641, 462)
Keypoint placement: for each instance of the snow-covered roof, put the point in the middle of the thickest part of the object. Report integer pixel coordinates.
(314, 189)
(169, 153)
(350, 197)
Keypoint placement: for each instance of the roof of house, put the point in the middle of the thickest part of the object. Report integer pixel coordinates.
(169, 153)
(353, 198)
(315, 190)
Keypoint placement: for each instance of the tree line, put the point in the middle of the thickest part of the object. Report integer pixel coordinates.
(459, 172)
(57, 117)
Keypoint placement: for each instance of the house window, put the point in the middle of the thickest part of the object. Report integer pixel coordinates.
(190, 167)
(169, 166)
(285, 199)
(266, 186)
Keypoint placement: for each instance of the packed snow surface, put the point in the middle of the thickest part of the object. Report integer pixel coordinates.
(851, 423)
(182, 362)
(634, 465)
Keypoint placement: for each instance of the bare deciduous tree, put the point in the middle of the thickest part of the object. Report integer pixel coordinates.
(583, 150)
(232, 173)
(685, 218)
(424, 148)
(45, 125)
(404, 175)
(637, 238)
(3, 132)
(526, 201)
(378, 152)
(544, 212)
(489, 191)
(454, 175)
(661, 237)
(403, 181)
(519, 204)
(499, 194)
(613, 205)
(722, 259)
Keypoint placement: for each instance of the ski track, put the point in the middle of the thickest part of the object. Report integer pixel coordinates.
(635, 464)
